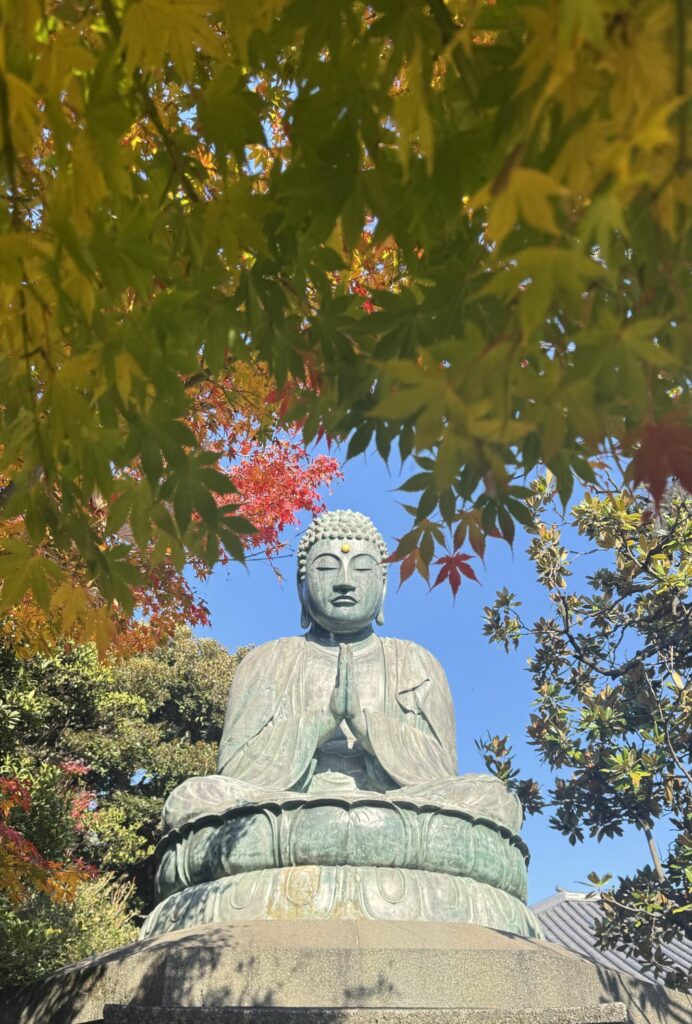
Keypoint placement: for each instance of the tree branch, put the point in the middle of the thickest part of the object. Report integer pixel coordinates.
(151, 110)
(636, 910)
(666, 730)
(171, 148)
(653, 850)
(611, 673)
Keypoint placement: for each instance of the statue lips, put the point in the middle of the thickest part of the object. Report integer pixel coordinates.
(343, 600)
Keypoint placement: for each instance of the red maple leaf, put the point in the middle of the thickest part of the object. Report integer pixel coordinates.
(453, 568)
(665, 451)
(408, 565)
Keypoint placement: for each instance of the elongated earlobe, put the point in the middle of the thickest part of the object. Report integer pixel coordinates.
(304, 619)
(379, 619)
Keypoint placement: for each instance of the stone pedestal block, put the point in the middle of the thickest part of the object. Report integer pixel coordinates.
(335, 970)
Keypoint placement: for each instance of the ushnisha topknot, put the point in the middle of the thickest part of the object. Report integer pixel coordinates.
(341, 524)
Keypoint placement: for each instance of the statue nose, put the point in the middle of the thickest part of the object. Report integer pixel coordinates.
(344, 588)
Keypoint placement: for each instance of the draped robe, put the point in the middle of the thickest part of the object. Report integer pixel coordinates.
(270, 748)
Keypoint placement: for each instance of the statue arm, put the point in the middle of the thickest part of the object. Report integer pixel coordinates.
(280, 754)
(260, 745)
(405, 752)
(417, 743)
(431, 700)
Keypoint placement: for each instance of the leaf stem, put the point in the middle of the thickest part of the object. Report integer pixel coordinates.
(448, 30)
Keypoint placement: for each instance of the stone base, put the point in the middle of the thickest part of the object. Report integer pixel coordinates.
(604, 1013)
(336, 965)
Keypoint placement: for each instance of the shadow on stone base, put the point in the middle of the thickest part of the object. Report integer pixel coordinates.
(341, 965)
(605, 1013)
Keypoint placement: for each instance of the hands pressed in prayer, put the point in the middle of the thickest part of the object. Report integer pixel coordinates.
(344, 703)
(339, 698)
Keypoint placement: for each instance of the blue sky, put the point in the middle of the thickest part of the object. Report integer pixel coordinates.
(491, 690)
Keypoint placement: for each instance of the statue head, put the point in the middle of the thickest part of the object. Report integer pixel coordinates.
(342, 573)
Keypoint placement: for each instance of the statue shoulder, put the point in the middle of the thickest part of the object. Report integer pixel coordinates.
(410, 653)
(263, 658)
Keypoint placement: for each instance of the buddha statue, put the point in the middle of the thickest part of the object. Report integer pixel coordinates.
(337, 792)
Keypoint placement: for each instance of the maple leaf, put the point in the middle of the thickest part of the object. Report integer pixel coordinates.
(453, 568)
(414, 561)
(23, 867)
(469, 522)
(665, 451)
(525, 195)
(408, 565)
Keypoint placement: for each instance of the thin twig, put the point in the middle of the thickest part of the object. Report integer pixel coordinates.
(666, 730)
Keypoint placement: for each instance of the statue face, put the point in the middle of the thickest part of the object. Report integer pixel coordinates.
(343, 587)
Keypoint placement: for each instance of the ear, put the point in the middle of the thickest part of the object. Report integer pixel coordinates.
(305, 620)
(379, 618)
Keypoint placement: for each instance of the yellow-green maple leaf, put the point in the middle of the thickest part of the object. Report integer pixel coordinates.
(243, 17)
(154, 29)
(526, 197)
(412, 113)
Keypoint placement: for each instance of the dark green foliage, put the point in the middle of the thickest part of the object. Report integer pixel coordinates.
(612, 714)
(41, 935)
(129, 732)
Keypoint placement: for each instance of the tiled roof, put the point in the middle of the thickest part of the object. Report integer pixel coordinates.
(569, 918)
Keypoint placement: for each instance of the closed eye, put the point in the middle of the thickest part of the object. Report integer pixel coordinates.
(363, 563)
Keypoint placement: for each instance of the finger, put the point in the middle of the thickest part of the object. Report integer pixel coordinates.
(345, 656)
(342, 666)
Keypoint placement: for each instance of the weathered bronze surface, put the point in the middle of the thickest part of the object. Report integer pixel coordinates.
(337, 776)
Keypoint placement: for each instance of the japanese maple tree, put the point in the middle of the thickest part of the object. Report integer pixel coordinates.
(261, 475)
(456, 228)
(88, 752)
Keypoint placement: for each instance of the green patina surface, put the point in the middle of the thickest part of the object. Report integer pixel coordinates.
(337, 776)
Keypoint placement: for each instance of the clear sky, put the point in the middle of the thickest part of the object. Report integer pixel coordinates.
(491, 690)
